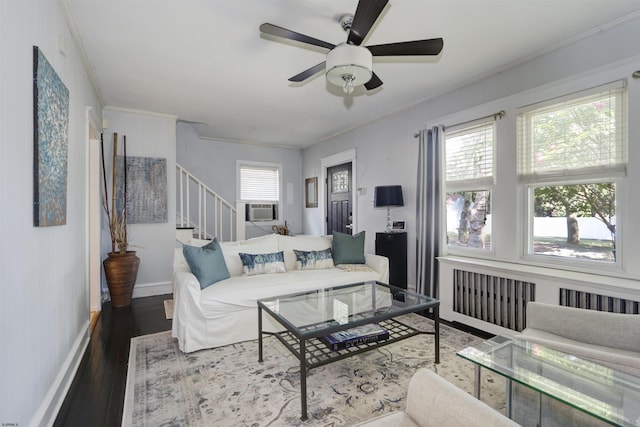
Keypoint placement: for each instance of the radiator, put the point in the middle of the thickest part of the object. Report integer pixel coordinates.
(593, 301)
(493, 299)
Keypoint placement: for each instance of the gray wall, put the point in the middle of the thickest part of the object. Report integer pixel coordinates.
(214, 163)
(387, 151)
(44, 307)
(148, 135)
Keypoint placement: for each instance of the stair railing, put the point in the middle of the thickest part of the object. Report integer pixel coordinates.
(203, 209)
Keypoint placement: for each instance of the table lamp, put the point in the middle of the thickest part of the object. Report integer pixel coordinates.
(388, 195)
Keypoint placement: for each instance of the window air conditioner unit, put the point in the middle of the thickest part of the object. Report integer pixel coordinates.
(261, 211)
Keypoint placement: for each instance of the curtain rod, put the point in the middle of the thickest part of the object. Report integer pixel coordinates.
(500, 114)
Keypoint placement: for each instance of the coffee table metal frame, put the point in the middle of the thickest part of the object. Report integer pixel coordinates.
(305, 344)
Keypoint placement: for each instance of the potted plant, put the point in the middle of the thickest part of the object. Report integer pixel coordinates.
(121, 266)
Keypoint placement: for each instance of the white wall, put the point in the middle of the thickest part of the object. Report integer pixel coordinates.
(214, 163)
(387, 151)
(148, 135)
(44, 302)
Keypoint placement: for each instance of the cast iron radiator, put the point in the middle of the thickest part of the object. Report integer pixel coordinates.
(497, 300)
(593, 301)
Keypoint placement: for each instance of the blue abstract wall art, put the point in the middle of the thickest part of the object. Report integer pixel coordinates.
(51, 143)
(146, 189)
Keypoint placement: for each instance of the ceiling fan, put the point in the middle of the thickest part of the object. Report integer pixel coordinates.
(349, 64)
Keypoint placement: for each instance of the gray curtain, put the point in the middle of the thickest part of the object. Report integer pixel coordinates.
(428, 212)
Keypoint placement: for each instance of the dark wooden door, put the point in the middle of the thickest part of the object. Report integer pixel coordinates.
(339, 193)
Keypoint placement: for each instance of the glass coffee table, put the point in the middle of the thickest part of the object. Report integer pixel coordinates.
(309, 317)
(599, 391)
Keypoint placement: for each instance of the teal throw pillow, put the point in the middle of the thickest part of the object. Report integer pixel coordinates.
(348, 249)
(206, 263)
(313, 260)
(253, 264)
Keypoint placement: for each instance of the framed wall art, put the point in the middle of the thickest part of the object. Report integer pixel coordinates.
(146, 189)
(51, 143)
(311, 192)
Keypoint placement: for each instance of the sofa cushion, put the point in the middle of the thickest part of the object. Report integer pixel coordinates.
(258, 245)
(206, 263)
(238, 293)
(301, 243)
(614, 330)
(348, 249)
(313, 260)
(262, 263)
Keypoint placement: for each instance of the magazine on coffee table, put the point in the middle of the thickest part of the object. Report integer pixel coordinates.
(355, 336)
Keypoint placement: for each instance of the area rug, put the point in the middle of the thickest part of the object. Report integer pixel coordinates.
(168, 309)
(226, 386)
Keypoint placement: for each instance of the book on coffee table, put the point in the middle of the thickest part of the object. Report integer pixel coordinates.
(355, 336)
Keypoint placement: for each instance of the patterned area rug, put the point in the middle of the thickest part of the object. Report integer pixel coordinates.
(226, 386)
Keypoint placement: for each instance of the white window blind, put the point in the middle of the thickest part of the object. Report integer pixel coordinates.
(259, 183)
(469, 156)
(578, 138)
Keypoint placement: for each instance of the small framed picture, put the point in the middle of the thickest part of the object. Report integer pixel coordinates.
(398, 226)
(311, 192)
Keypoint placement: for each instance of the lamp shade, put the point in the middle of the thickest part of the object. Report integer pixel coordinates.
(388, 195)
(349, 66)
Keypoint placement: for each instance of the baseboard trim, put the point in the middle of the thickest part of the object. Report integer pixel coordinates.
(152, 289)
(48, 410)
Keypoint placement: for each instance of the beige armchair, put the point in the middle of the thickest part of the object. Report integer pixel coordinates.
(434, 401)
(611, 339)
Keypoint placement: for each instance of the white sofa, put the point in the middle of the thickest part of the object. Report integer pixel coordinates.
(227, 312)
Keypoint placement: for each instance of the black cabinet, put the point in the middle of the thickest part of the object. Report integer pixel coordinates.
(394, 247)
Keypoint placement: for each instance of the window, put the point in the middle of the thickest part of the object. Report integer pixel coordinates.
(259, 182)
(469, 180)
(571, 158)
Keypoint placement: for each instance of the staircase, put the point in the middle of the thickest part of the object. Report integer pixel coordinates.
(201, 209)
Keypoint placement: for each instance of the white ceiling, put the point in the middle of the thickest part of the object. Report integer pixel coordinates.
(206, 61)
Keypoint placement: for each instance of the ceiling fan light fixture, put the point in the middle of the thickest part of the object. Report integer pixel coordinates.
(349, 66)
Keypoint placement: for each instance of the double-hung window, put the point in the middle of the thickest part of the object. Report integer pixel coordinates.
(572, 157)
(469, 180)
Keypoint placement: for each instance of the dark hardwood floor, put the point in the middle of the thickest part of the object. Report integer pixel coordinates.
(96, 396)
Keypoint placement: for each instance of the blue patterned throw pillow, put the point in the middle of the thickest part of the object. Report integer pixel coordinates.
(206, 263)
(262, 263)
(313, 260)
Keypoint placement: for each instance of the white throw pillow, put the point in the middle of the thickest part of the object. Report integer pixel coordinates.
(301, 243)
(258, 245)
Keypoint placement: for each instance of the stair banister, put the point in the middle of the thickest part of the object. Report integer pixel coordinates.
(209, 222)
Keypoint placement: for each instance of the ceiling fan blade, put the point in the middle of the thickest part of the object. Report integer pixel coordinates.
(366, 14)
(308, 73)
(373, 83)
(416, 47)
(274, 30)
